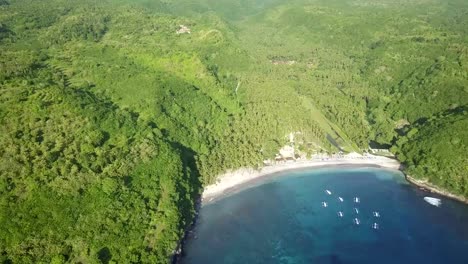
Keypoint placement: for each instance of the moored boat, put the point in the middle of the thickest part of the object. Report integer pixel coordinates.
(434, 201)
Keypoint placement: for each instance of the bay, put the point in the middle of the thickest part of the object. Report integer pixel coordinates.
(281, 219)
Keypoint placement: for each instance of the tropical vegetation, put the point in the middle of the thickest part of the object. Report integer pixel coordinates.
(114, 114)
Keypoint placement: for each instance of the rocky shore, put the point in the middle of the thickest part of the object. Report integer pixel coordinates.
(432, 188)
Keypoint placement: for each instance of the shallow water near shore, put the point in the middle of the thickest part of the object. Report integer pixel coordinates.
(281, 219)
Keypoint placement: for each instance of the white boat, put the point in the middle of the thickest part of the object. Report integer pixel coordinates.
(341, 199)
(357, 200)
(324, 204)
(356, 210)
(434, 201)
(376, 214)
(356, 221)
(328, 192)
(375, 226)
(340, 214)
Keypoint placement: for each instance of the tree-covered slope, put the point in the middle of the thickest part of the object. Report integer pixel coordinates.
(111, 121)
(436, 150)
(83, 180)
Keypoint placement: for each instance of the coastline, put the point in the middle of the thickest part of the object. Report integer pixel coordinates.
(236, 178)
(434, 189)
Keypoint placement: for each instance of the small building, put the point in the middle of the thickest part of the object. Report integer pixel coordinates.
(283, 62)
(183, 30)
(287, 152)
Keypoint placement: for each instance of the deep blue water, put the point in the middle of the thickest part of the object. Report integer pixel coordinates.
(281, 220)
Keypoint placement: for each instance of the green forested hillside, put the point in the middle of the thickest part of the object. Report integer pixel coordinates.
(82, 177)
(112, 123)
(435, 150)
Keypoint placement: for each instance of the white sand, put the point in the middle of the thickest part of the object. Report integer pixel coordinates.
(234, 178)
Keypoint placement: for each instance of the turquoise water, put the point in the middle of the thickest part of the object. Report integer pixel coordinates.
(282, 220)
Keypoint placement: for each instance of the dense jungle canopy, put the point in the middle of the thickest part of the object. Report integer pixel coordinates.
(114, 114)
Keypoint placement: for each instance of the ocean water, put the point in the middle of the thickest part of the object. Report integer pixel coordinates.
(281, 219)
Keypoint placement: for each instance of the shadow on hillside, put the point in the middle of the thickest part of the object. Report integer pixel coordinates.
(193, 191)
(191, 173)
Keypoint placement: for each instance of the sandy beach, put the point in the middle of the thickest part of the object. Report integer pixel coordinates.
(235, 178)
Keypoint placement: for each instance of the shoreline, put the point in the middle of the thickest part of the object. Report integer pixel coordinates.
(434, 189)
(234, 179)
